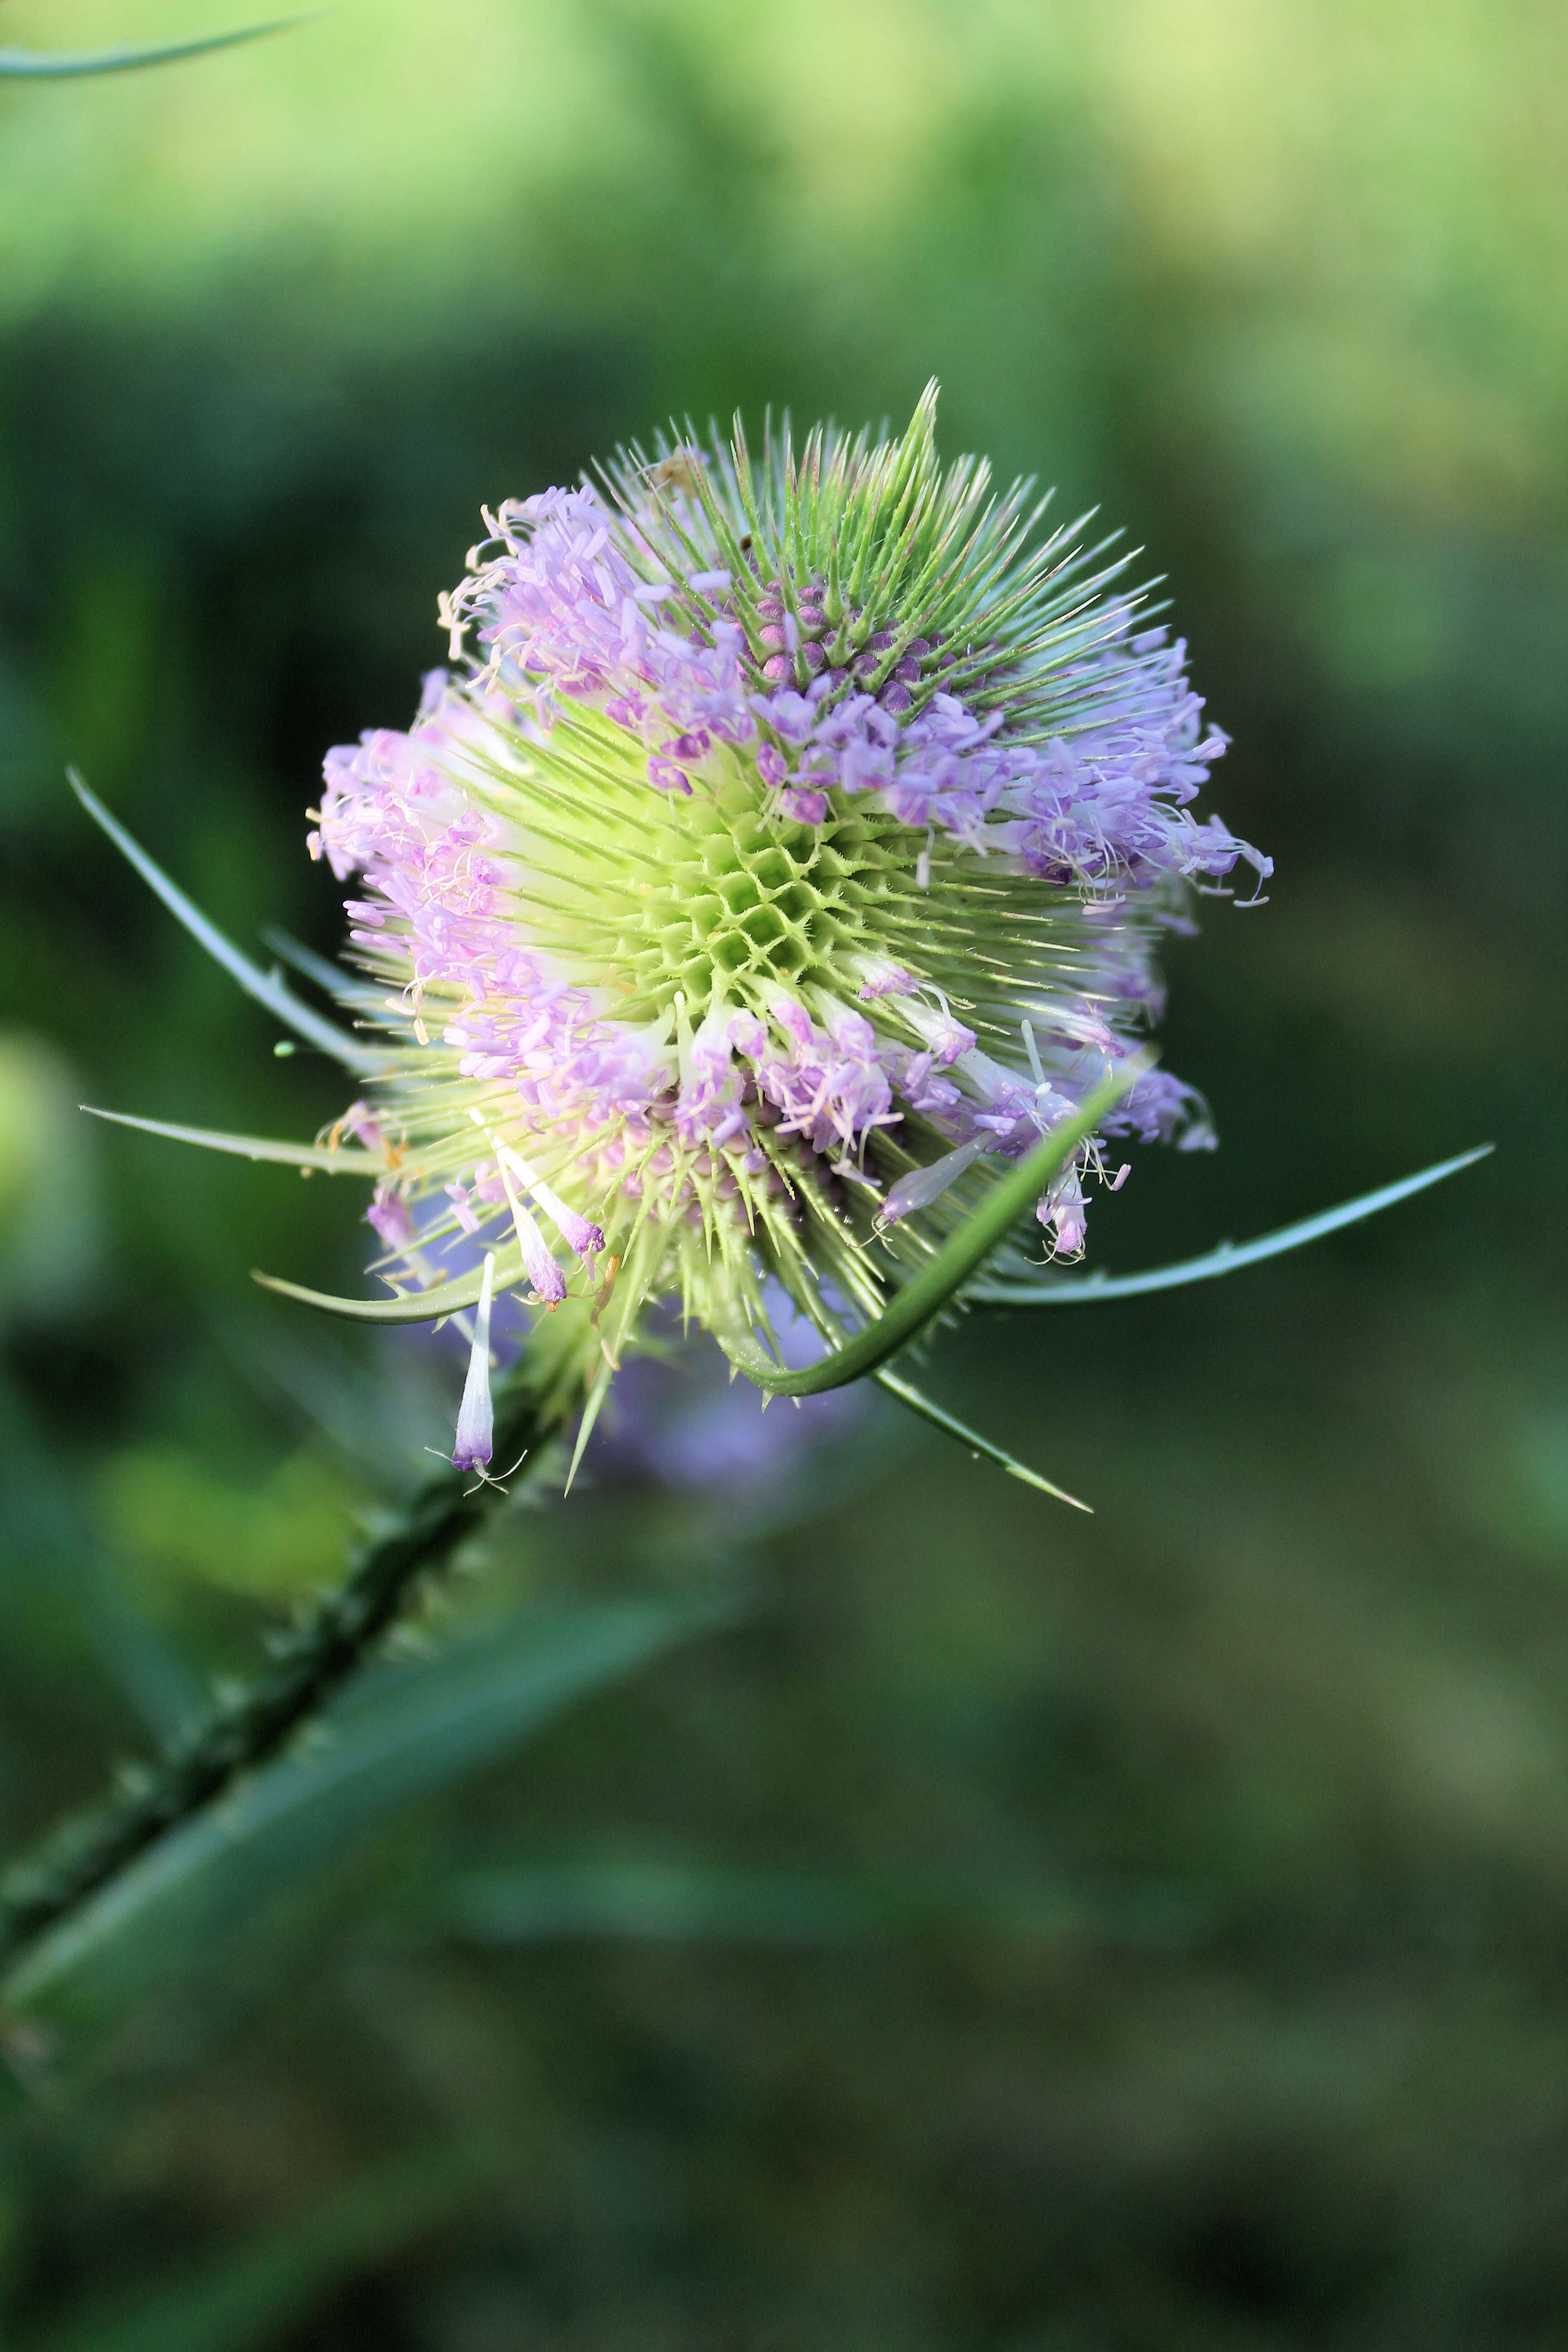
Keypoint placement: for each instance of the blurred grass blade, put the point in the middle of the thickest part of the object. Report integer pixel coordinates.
(67, 65)
(259, 2292)
(395, 1738)
(377, 1420)
(48, 1548)
(634, 1900)
(266, 988)
(631, 1898)
(349, 1161)
(918, 1300)
(918, 1403)
(1082, 1290)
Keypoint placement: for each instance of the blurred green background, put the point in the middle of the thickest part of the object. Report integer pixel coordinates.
(1006, 1930)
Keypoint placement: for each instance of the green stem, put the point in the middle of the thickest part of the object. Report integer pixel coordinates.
(252, 1721)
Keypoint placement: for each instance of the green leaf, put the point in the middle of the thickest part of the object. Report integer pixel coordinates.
(266, 988)
(917, 1301)
(918, 1403)
(65, 65)
(256, 2292)
(350, 1160)
(391, 1739)
(1083, 1290)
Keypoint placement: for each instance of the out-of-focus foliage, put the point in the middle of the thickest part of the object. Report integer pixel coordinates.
(50, 1216)
(1019, 1931)
(390, 1738)
(246, 2296)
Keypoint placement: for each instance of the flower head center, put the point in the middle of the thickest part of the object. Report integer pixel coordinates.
(708, 896)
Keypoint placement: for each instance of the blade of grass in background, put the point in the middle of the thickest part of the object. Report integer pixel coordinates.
(637, 1899)
(45, 1542)
(375, 1421)
(411, 1730)
(253, 2293)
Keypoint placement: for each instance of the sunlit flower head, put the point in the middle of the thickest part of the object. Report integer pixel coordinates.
(784, 848)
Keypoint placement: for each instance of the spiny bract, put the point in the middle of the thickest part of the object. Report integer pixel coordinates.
(787, 841)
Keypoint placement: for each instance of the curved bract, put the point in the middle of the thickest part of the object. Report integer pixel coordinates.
(342, 1160)
(1228, 1257)
(431, 1306)
(268, 988)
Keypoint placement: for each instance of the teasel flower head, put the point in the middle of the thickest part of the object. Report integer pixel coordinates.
(782, 854)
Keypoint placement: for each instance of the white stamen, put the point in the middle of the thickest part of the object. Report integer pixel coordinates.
(476, 1415)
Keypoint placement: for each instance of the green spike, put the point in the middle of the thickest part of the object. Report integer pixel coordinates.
(918, 1402)
(1086, 1290)
(350, 1160)
(266, 989)
(591, 1411)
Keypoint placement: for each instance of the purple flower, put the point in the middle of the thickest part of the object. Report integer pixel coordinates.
(750, 919)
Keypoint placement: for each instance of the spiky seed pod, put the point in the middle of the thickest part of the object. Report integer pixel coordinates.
(786, 848)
